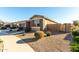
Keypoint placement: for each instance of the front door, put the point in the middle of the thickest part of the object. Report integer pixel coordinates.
(28, 26)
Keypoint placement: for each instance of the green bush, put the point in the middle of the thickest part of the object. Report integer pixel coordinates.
(48, 33)
(1, 41)
(27, 29)
(75, 44)
(76, 39)
(39, 34)
(13, 27)
(3, 28)
(75, 47)
(75, 33)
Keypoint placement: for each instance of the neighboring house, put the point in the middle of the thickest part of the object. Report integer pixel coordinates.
(39, 22)
(36, 21)
(17, 24)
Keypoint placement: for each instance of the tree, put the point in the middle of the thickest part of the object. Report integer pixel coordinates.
(1, 23)
(76, 23)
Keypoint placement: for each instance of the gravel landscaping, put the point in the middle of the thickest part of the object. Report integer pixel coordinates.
(53, 43)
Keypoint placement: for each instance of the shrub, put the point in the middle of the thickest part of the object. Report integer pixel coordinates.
(75, 33)
(20, 28)
(75, 47)
(75, 44)
(76, 39)
(13, 27)
(1, 41)
(39, 34)
(76, 23)
(27, 29)
(3, 28)
(48, 33)
(10, 29)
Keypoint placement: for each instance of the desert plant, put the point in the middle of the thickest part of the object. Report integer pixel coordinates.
(75, 33)
(1, 45)
(1, 41)
(10, 30)
(13, 27)
(75, 43)
(48, 33)
(20, 28)
(75, 47)
(3, 28)
(27, 29)
(76, 39)
(39, 34)
(76, 23)
(1, 23)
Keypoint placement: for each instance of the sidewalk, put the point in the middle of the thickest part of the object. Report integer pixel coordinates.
(10, 44)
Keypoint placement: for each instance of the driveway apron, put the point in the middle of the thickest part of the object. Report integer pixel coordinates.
(11, 45)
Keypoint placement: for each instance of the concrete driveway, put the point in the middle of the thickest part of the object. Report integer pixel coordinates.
(11, 45)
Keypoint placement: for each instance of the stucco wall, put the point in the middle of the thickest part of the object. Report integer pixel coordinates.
(44, 22)
(59, 27)
(34, 28)
(47, 22)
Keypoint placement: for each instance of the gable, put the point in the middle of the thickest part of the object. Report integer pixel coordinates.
(42, 17)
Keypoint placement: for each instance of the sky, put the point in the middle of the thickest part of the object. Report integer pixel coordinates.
(58, 14)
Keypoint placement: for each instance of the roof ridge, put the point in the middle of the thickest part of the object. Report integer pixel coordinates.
(43, 17)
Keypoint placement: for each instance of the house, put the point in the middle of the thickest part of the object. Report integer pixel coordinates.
(39, 22)
(17, 24)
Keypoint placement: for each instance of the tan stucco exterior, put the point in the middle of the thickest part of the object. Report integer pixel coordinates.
(43, 21)
(38, 22)
(46, 22)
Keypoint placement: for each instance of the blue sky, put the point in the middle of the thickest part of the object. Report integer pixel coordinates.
(58, 14)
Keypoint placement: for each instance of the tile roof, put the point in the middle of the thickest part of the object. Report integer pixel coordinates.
(43, 17)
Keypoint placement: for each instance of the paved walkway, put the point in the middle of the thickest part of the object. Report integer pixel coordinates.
(11, 45)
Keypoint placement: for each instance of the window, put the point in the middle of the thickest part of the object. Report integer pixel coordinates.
(36, 23)
(33, 23)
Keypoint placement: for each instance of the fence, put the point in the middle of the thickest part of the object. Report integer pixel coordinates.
(59, 27)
